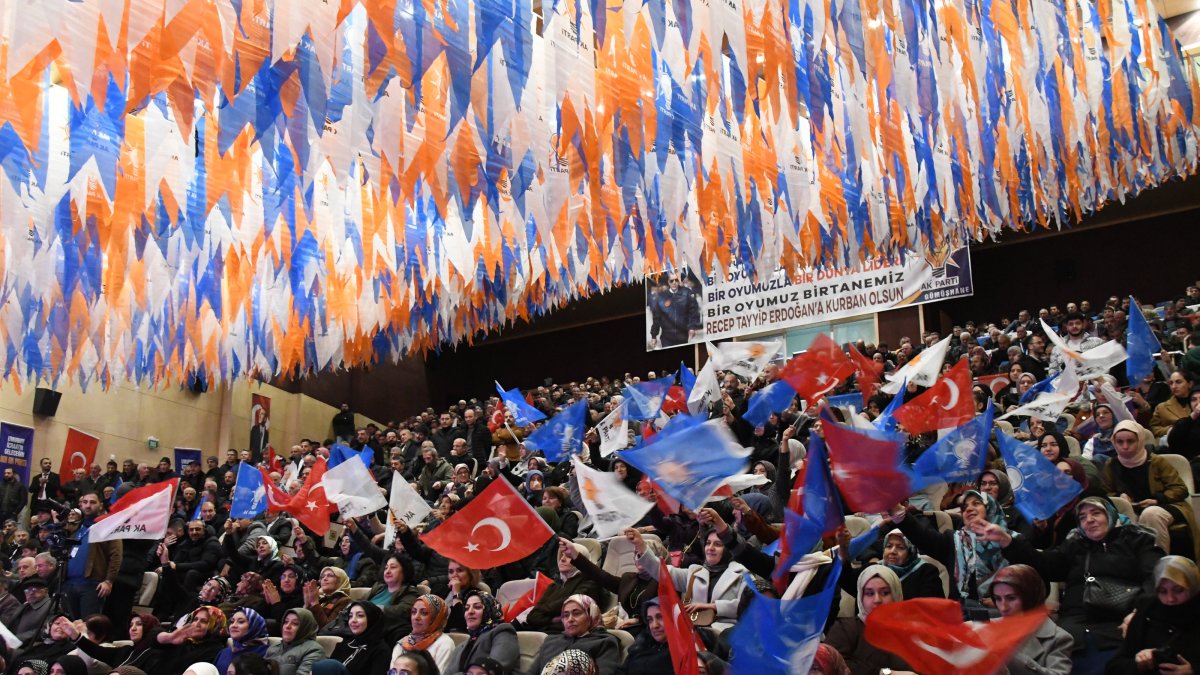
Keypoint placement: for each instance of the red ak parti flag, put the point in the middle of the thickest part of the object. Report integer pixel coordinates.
(819, 370)
(528, 600)
(681, 637)
(947, 404)
(929, 634)
(866, 371)
(143, 513)
(309, 505)
(495, 528)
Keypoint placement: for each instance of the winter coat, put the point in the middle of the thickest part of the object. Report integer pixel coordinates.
(598, 643)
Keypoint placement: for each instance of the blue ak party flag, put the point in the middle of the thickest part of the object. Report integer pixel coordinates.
(690, 465)
(687, 379)
(959, 457)
(782, 636)
(522, 412)
(772, 398)
(1039, 488)
(249, 493)
(340, 452)
(887, 419)
(199, 505)
(1045, 385)
(644, 400)
(1140, 344)
(822, 510)
(562, 436)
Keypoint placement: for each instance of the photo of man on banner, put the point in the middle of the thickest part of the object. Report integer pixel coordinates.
(673, 303)
(260, 426)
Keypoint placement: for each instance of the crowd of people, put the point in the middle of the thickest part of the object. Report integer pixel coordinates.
(238, 596)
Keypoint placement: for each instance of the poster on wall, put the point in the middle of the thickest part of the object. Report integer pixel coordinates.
(185, 455)
(260, 426)
(17, 442)
(78, 453)
(683, 308)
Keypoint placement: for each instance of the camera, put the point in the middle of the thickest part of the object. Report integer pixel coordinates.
(1165, 655)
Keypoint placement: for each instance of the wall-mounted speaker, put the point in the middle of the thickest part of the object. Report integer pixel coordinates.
(45, 401)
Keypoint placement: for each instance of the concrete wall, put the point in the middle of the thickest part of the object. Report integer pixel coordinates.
(124, 417)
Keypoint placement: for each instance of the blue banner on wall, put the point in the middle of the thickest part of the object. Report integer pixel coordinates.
(17, 449)
(185, 455)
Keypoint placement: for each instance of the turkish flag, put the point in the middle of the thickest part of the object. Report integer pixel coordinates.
(867, 372)
(274, 462)
(676, 400)
(526, 602)
(947, 404)
(819, 370)
(308, 505)
(929, 634)
(78, 453)
(495, 528)
(867, 465)
(681, 637)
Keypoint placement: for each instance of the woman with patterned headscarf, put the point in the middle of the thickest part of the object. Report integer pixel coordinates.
(1168, 621)
(582, 630)
(248, 633)
(918, 579)
(488, 636)
(571, 662)
(200, 638)
(970, 559)
(429, 614)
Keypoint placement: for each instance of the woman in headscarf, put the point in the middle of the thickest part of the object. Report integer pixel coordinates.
(632, 588)
(1151, 484)
(1019, 588)
(546, 612)
(429, 614)
(994, 482)
(33, 667)
(56, 643)
(650, 653)
(571, 662)
(558, 498)
(212, 592)
(281, 597)
(298, 650)
(628, 475)
(68, 665)
(327, 596)
(200, 638)
(247, 593)
(488, 636)
(535, 483)
(1164, 625)
(715, 585)
(144, 653)
(828, 661)
(1103, 547)
(1099, 448)
(877, 585)
(366, 652)
(918, 579)
(582, 630)
(970, 559)
(266, 560)
(1049, 533)
(248, 635)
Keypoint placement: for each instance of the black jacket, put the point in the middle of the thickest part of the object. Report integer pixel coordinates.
(1128, 554)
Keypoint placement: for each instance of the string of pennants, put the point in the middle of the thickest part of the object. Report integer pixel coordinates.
(247, 187)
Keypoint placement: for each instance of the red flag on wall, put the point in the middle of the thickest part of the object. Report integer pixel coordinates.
(79, 452)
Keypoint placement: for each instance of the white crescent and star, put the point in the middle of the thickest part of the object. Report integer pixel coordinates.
(501, 527)
(954, 393)
(82, 460)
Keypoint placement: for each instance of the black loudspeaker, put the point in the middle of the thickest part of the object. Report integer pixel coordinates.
(197, 383)
(45, 402)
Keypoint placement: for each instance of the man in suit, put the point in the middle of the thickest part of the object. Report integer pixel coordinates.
(44, 486)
